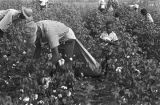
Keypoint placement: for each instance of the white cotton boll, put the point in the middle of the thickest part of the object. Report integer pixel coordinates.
(61, 62)
(55, 97)
(133, 53)
(119, 69)
(50, 56)
(105, 37)
(13, 64)
(69, 94)
(36, 96)
(6, 82)
(4, 56)
(64, 87)
(82, 74)
(137, 71)
(25, 41)
(131, 6)
(60, 95)
(24, 52)
(21, 90)
(26, 99)
(71, 59)
(17, 62)
(20, 98)
(115, 60)
(46, 86)
(46, 80)
(54, 91)
(40, 102)
(124, 100)
(128, 56)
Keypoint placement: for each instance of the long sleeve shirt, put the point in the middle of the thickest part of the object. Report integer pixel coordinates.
(149, 18)
(53, 32)
(111, 37)
(7, 17)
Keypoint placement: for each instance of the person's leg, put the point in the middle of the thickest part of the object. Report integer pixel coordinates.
(69, 49)
(1, 34)
(55, 55)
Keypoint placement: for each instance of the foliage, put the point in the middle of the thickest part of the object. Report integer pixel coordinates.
(132, 67)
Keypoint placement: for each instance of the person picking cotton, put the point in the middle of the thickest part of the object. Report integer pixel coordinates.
(109, 36)
(9, 16)
(147, 16)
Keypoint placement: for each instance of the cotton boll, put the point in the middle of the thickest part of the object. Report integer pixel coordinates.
(119, 69)
(26, 99)
(24, 52)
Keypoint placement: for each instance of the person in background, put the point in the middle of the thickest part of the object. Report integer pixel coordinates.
(134, 7)
(109, 37)
(147, 16)
(117, 16)
(102, 5)
(9, 16)
(43, 4)
(112, 5)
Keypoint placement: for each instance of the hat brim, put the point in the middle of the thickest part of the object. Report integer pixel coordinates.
(23, 9)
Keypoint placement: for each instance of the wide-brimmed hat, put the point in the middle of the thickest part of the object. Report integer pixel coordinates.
(136, 6)
(27, 12)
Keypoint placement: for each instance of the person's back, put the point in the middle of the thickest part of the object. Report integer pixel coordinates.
(58, 27)
(147, 16)
(54, 31)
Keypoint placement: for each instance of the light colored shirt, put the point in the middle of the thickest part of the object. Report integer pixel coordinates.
(11, 11)
(53, 32)
(149, 18)
(7, 17)
(102, 2)
(43, 2)
(111, 37)
(135, 6)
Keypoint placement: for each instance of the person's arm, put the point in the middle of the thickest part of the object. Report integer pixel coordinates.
(55, 55)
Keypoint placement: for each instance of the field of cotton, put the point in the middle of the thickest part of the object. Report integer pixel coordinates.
(132, 69)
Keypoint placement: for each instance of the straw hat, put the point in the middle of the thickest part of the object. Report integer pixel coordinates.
(27, 12)
(136, 6)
